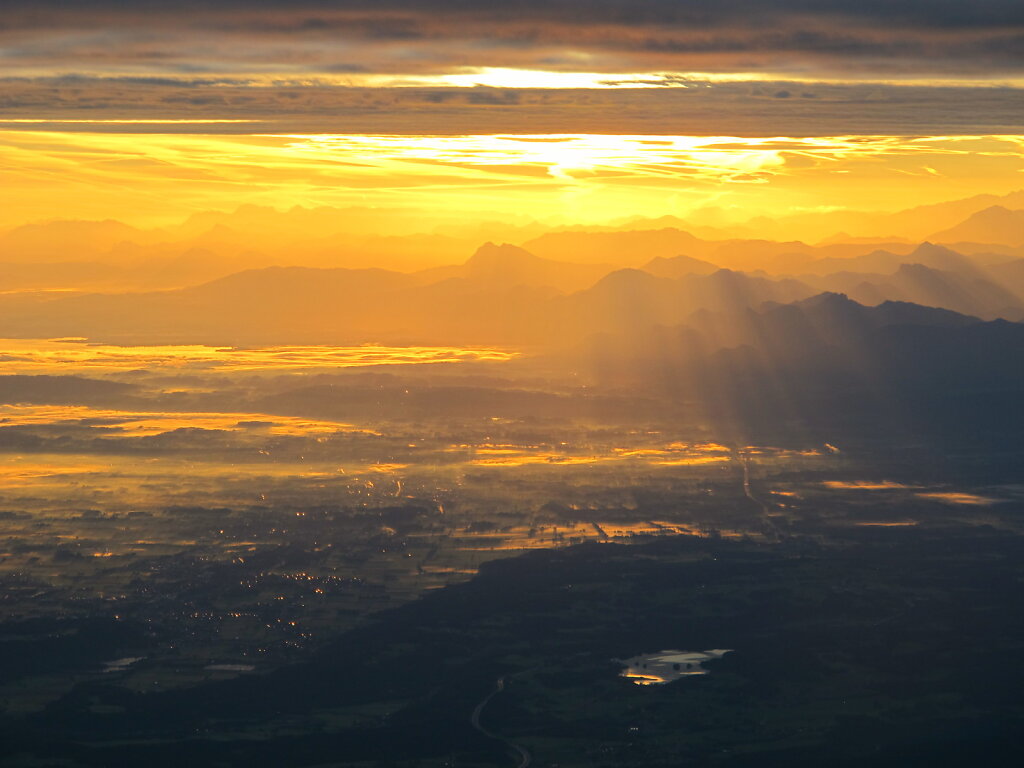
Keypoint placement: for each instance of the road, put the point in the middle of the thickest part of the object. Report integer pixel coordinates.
(745, 463)
(520, 752)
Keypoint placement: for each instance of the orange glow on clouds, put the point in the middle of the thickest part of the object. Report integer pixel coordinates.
(160, 178)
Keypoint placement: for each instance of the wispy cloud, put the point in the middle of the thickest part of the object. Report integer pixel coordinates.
(700, 107)
(848, 39)
(589, 177)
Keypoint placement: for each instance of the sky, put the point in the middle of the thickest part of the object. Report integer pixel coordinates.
(150, 111)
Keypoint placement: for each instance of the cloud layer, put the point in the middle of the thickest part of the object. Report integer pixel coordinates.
(750, 109)
(941, 38)
(737, 67)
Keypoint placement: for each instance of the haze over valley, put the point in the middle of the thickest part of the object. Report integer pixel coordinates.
(558, 384)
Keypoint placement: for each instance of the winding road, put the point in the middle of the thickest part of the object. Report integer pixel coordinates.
(765, 510)
(520, 752)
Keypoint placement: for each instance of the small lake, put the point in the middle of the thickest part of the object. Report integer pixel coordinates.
(667, 666)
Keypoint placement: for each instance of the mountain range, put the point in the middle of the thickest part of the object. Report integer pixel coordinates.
(503, 294)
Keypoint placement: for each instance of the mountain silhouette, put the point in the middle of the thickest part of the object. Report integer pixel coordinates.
(995, 224)
(678, 266)
(508, 265)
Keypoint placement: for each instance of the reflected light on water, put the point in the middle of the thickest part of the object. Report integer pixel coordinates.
(884, 485)
(968, 499)
(675, 454)
(136, 424)
(65, 356)
(668, 666)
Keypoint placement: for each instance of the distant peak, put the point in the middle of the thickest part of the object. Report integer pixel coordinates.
(627, 276)
(928, 248)
(830, 296)
(828, 299)
(492, 253)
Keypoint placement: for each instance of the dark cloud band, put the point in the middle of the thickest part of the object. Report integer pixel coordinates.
(737, 109)
(937, 37)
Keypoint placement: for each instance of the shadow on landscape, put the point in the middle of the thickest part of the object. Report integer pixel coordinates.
(887, 646)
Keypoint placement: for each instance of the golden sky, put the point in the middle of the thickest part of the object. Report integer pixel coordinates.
(157, 178)
(565, 110)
